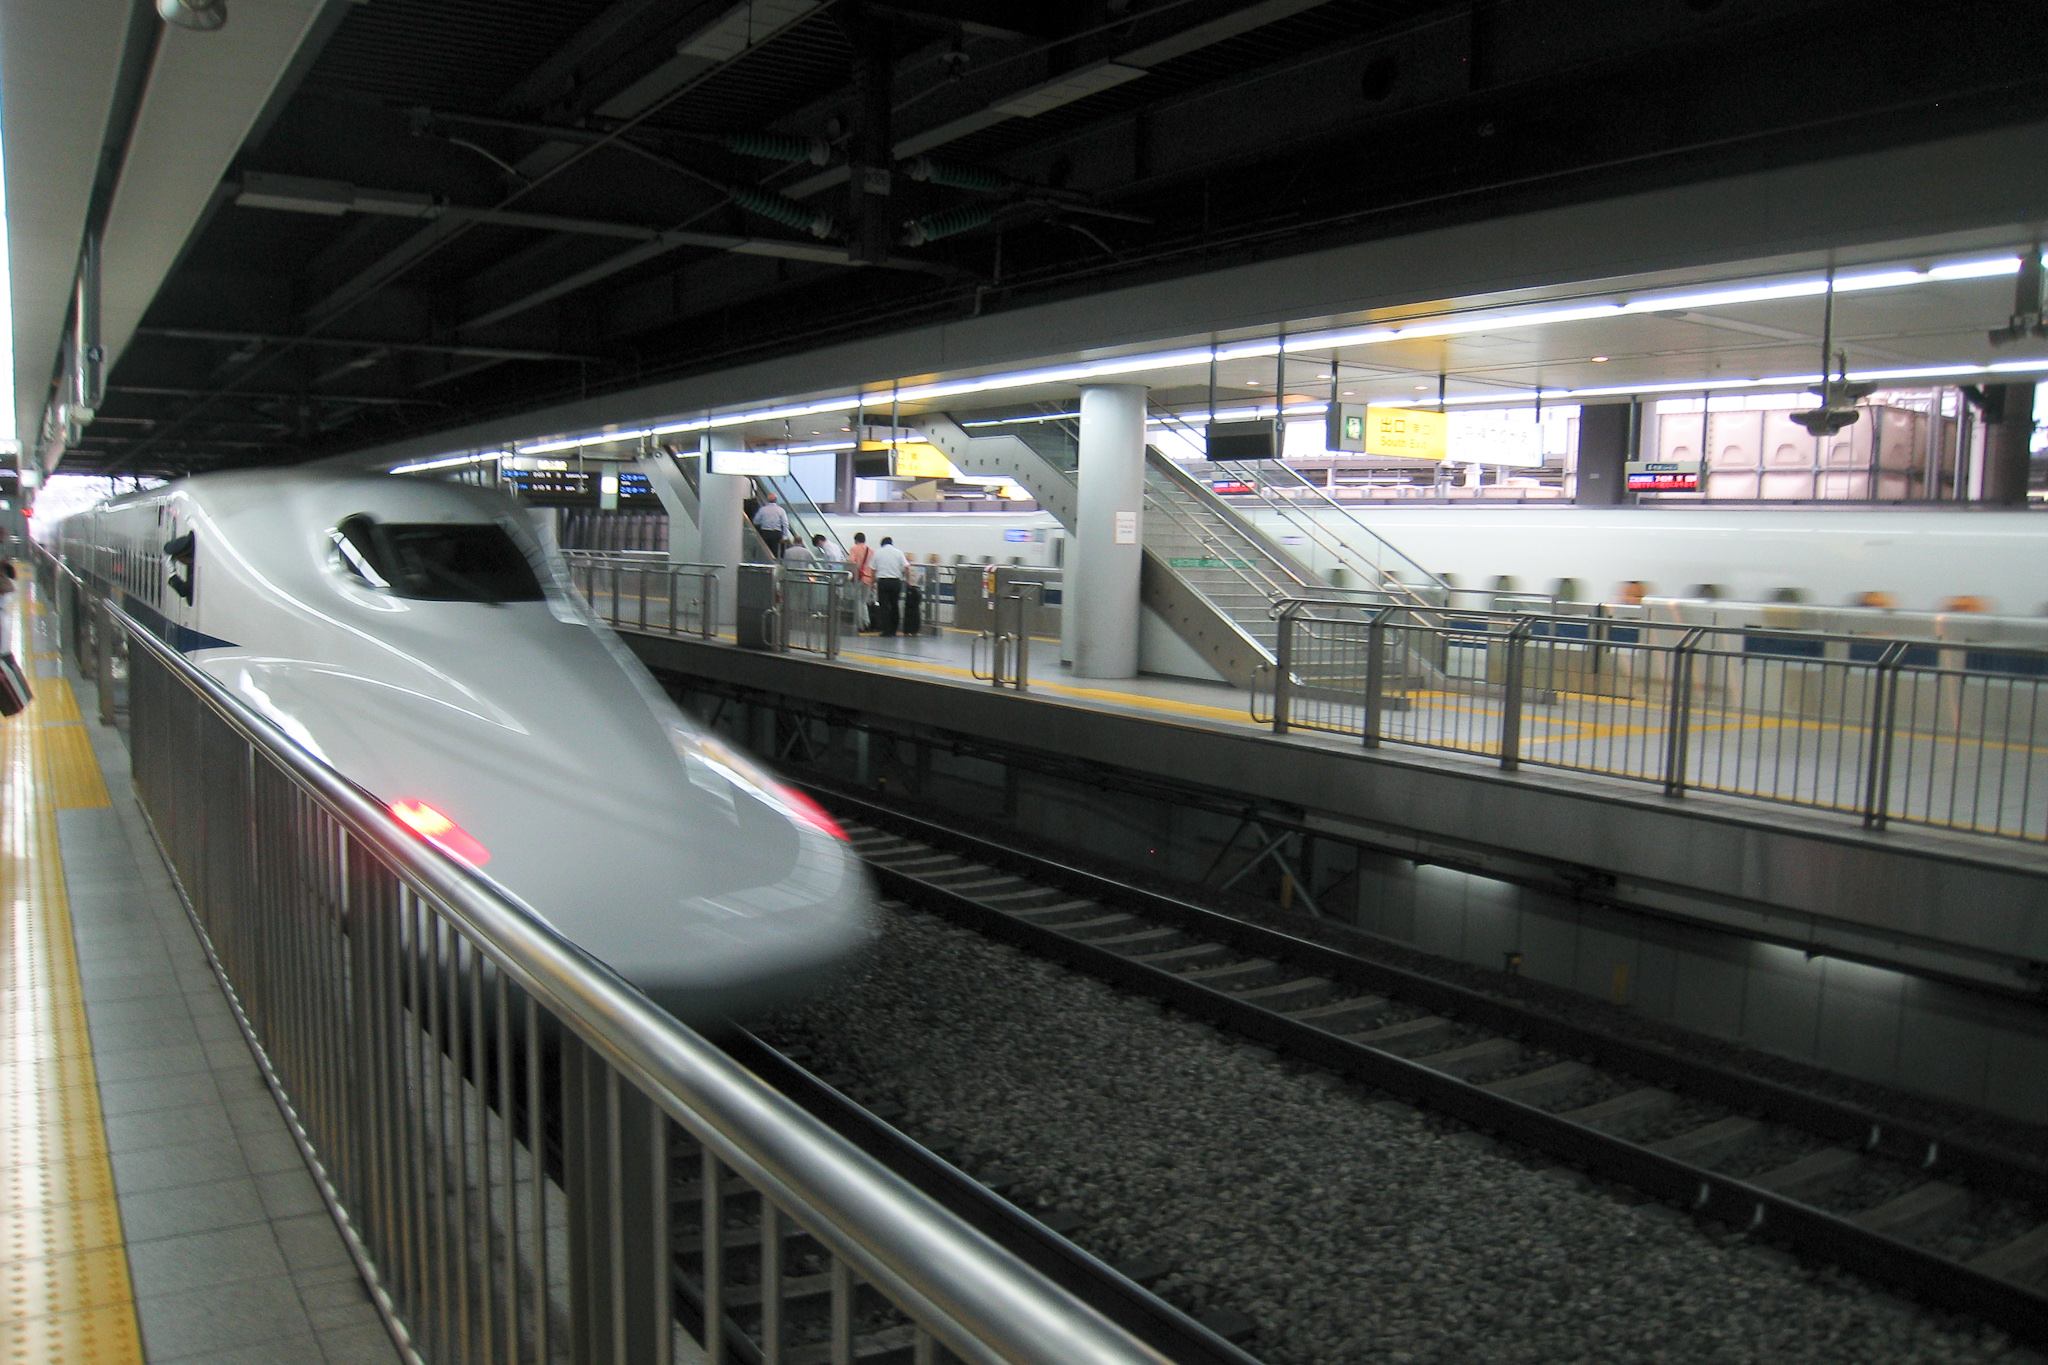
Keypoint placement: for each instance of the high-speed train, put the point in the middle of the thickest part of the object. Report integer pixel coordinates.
(417, 637)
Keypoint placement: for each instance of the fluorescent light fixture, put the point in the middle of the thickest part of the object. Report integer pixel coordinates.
(1021, 421)
(818, 449)
(446, 462)
(1143, 363)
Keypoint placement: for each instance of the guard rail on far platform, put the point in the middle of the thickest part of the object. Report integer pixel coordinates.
(530, 1162)
(1922, 732)
(646, 592)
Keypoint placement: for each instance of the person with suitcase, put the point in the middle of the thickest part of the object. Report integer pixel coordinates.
(888, 566)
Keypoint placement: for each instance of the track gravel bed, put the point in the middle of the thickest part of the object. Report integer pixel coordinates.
(1348, 1230)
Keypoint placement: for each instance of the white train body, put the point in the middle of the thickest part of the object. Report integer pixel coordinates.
(356, 613)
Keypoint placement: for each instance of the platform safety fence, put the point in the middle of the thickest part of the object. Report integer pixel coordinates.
(644, 591)
(529, 1161)
(1918, 732)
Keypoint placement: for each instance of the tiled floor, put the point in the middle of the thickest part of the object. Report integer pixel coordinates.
(230, 1252)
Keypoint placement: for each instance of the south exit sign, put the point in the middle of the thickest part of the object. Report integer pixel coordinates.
(1393, 433)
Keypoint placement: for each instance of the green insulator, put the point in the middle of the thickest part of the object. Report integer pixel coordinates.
(951, 223)
(932, 171)
(779, 147)
(784, 210)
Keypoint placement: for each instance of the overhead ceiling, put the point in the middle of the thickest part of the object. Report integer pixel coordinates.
(476, 207)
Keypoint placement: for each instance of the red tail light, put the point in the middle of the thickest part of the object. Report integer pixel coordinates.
(443, 833)
(810, 812)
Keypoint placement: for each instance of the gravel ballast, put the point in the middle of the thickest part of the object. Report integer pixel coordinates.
(1347, 1231)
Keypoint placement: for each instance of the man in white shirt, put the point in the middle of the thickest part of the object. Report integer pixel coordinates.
(797, 555)
(771, 519)
(888, 566)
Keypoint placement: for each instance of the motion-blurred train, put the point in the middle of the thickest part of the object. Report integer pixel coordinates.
(417, 638)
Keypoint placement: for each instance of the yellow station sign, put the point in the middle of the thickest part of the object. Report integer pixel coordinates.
(1406, 433)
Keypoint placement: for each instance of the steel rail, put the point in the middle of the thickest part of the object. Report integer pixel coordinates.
(1106, 1289)
(1704, 1193)
(986, 1305)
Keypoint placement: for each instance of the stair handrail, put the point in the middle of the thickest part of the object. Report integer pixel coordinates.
(1339, 548)
(1228, 556)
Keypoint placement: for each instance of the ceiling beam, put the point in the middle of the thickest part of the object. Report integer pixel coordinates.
(359, 344)
(358, 399)
(1058, 91)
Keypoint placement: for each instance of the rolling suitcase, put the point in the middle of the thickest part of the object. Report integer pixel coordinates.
(913, 610)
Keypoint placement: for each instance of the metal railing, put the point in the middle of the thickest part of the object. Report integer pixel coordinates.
(1921, 732)
(646, 592)
(528, 1160)
(812, 609)
(1006, 644)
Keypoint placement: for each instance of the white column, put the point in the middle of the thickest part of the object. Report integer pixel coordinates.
(721, 500)
(676, 498)
(1107, 549)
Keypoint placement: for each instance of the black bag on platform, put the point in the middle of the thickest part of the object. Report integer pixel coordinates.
(913, 610)
(15, 693)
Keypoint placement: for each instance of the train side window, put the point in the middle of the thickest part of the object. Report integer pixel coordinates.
(437, 561)
(184, 555)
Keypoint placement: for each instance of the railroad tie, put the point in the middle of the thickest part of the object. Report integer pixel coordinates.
(1151, 935)
(1173, 957)
(1114, 918)
(1625, 1113)
(1058, 908)
(2020, 1260)
(1545, 1086)
(1340, 1012)
(1407, 1036)
(1712, 1144)
(1918, 1212)
(1222, 977)
(1815, 1171)
(1489, 1054)
(1279, 995)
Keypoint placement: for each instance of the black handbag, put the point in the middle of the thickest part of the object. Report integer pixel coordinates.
(15, 693)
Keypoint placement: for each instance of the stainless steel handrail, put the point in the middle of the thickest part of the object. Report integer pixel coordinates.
(1919, 731)
(982, 1302)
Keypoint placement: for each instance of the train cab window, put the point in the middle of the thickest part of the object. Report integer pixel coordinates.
(437, 562)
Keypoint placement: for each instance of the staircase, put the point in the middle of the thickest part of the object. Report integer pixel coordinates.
(1208, 571)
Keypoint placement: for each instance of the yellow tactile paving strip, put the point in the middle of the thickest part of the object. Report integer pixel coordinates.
(65, 1296)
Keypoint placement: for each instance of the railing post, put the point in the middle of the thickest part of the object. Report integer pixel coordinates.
(1283, 666)
(1678, 724)
(674, 581)
(1511, 696)
(1884, 703)
(832, 618)
(1375, 673)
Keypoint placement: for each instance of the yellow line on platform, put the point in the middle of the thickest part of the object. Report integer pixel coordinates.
(65, 1295)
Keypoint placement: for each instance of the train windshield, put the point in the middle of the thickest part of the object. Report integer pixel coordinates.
(437, 562)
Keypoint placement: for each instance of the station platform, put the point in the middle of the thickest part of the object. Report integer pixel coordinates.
(1925, 900)
(154, 1206)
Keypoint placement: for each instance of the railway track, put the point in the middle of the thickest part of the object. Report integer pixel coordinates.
(1956, 1225)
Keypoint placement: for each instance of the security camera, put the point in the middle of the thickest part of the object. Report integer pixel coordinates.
(203, 15)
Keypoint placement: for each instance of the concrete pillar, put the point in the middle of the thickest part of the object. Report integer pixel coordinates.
(2008, 444)
(719, 501)
(1607, 435)
(1101, 589)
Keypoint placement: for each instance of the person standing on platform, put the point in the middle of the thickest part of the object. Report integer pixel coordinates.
(772, 521)
(889, 566)
(860, 557)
